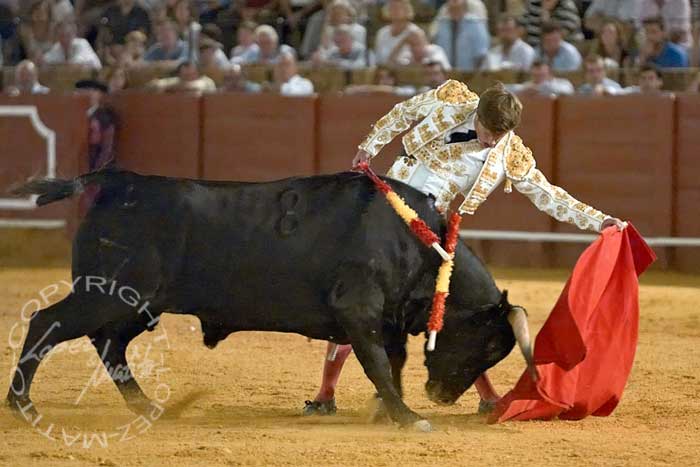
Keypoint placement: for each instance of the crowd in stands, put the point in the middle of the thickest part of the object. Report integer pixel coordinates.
(209, 45)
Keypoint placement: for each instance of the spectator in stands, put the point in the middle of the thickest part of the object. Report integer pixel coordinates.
(602, 12)
(182, 15)
(389, 37)
(512, 53)
(134, 48)
(36, 33)
(246, 42)
(675, 16)
(476, 9)
(169, 46)
(559, 54)
(435, 76)
(421, 52)
(650, 81)
(71, 49)
(88, 14)
(658, 50)
(346, 53)
(286, 77)
(26, 80)
(62, 10)
(610, 44)
(116, 80)
(597, 84)
(563, 12)
(463, 37)
(384, 82)
(213, 33)
(235, 81)
(187, 80)
(543, 82)
(122, 18)
(209, 57)
(295, 15)
(269, 49)
(320, 31)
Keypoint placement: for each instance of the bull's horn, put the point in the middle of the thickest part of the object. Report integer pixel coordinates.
(518, 321)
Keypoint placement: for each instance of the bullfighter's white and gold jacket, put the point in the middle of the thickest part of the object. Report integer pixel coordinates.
(446, 170)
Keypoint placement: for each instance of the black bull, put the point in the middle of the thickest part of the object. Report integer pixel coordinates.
(325, 257)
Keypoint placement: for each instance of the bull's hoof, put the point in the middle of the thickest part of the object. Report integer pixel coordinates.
(486, 407)
(378, 412)
(422, 426)
(22, 407)
(139, 405)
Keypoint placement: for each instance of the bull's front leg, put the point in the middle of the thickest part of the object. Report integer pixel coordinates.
(359, 308)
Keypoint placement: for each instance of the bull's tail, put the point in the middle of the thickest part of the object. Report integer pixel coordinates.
(56, 189)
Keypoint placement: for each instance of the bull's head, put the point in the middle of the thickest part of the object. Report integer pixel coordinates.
(472, 342)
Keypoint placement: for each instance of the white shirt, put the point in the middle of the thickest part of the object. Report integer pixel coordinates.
(297, 86)
(80, 54)
(431, 184)
(519, 57)
(385, 42)
(434, 54)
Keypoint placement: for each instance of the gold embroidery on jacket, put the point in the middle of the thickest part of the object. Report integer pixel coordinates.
(519, 160)
(455, 92)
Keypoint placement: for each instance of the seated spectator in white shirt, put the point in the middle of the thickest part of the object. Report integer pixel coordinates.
(269, 49)
(597, 84)
(512, 53)
(286, 77)
(542, 82)
(187, 80)
(390, 37)
(421, 51)
(321, 27)
(169, 46)
(650, 81)
(561, 55)
(71, 49)
(26, 80)
(346, 53)
(245, 38)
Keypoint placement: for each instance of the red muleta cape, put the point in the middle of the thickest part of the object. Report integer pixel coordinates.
(585, 350)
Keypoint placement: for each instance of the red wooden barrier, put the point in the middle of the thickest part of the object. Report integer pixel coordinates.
(687, 192)
(616, 154)
(159, 133)
(344, 122)
(23, 151)
(258, 137)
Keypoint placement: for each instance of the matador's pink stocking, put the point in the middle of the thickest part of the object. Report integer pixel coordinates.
(331, 372)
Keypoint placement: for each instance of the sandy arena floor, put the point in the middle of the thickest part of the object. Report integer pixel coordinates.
(239, 404)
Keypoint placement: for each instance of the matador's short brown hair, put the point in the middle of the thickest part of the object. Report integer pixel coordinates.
(499, 110)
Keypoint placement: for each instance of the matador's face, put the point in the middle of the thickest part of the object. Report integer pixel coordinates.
(486, 137)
